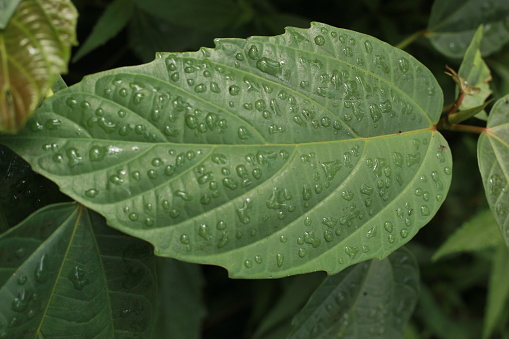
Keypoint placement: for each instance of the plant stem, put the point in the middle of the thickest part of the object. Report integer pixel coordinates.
(407, 41)
(457, 103)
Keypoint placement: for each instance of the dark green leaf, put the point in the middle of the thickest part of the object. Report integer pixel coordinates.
(63, 273)
(180, 305)
(452, 25)
(498, 291)
(270, 156)
(493, 155)
(112, 21)
(35, 47)
(373, 299)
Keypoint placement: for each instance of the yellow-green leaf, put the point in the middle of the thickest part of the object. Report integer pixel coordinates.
(34, 49)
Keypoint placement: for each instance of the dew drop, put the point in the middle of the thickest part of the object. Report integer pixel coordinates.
(269, 66)
(91, 193)
(347, 195)
(302, 252)
(280, 259)
(425, 210)
(403, 233)
(133, 216)
(253, 52)
(248, 263)
(351, 251)
(77, 276)
(283, 239)
(388, 226)
(368, 46)
(391, 239)
(319, 40)
(184, 239)
(234, 90)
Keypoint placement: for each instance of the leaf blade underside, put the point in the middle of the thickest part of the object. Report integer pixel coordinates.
(307, 151)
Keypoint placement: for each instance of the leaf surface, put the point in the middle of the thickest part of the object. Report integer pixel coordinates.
(270, 156)
(493, 155)
(64, 272)
(452, 25)
(34, 49)
(373, 299)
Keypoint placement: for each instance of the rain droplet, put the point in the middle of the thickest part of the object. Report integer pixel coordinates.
(91, 193)
(280, 259)
(269, 66)
(248, 263)
(133, 216)
(319, 40)
(403, 233)
(77, 275)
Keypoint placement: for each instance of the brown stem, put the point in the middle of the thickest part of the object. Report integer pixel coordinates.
(457, 103)
(467, 128)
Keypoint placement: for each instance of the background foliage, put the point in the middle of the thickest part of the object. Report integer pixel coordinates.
(461, 294)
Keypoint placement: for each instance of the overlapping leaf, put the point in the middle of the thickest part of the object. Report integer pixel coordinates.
(477, 75)
(493, 155)
(270, 156)
(63, 272)
(373, 299)
(34, 49)
(452, 25)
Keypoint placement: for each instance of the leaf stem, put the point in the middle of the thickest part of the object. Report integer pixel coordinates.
(408, 40)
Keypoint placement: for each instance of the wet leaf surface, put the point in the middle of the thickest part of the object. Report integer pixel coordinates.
(373, 299)
(270, 156)
(64, 272)
(493, 152)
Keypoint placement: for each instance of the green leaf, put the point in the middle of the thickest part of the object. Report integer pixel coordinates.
(270, 156)
(180, 306)
(63, 272)
(4, 225)
(200, 14)
(498, 291)
(460, 116)
(476, 73)
(34, 49)
(452, 25)
(478, 233)
(373, 299)
(493, 155)
(7, 8)
(112, 21)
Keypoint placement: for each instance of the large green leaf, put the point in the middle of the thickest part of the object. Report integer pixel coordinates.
(493, 155)
(452, 25)
(64, 273)
(373, 299)
(34, 49)
(270, 156)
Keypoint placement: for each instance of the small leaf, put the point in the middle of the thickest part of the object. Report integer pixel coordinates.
(478, 233)
(373, 299)
(270, 156)
(476, 73)
(460, 116)
(493, 155)
(112, 21)
(65, 272)
(452, 25)
(498, 291)
(34, 49)
(7, 8)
